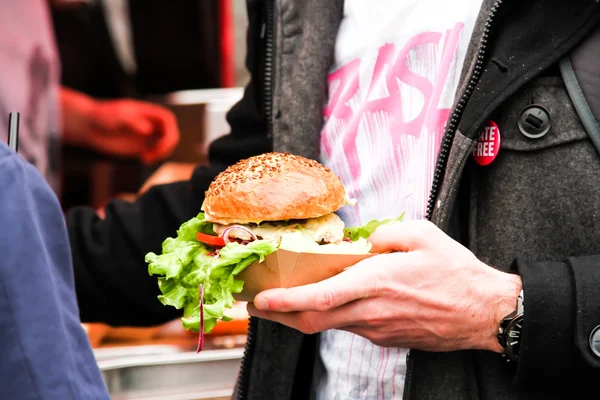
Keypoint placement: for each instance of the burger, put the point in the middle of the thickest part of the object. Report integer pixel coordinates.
(285, 199)
(252, 209)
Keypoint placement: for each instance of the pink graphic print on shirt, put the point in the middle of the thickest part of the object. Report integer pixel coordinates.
(382, 140)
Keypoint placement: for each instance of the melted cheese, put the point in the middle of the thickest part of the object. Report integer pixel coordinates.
(300, 243)
(328, 228)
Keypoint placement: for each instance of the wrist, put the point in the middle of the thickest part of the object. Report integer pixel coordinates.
(509, 332)
(78, 116)
(503, 303)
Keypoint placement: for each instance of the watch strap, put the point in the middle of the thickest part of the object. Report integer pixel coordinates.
(507, 321)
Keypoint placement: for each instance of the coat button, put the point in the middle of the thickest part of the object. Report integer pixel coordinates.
(534, 121)
(595, 341)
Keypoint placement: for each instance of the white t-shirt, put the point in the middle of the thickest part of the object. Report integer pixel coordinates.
(396, 70)
(29, 83)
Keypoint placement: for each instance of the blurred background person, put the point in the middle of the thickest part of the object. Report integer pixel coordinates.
(171, 53)
(52, 114)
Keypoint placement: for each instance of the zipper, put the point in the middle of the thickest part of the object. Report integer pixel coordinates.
(267, 35)
(246, 360)
(442, 161)
(452, 126)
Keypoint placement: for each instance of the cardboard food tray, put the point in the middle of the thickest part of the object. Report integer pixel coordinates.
(285, 269)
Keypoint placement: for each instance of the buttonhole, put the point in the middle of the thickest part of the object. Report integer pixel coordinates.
(534, 121)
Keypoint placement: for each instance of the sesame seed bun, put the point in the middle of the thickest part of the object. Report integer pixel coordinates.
(273, 187)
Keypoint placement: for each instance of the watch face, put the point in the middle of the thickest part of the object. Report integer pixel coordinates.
(513, 338)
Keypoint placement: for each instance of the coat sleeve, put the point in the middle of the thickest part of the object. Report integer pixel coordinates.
(561, 311)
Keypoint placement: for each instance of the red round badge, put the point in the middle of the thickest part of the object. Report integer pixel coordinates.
(488, 145)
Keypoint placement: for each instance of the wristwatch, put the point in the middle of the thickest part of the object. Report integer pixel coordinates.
(509, 334)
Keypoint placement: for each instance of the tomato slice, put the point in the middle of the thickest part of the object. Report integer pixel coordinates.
(210, 240)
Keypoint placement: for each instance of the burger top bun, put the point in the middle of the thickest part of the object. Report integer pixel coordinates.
(273, 187)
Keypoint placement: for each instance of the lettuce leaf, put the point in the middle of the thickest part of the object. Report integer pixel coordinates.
(367, 230)
(185, 264)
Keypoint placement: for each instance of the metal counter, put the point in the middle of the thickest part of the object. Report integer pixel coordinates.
(164, 373)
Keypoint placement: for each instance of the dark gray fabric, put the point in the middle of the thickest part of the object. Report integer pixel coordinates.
(537, 201)
(306, 47)
(547, 310)
(580, 102)
(519, 34)
(537, 188)
(585, 60)
(272, 338)
(587, 305)
(459, 154)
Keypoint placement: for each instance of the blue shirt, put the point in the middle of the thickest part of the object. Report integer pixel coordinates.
(44, 351)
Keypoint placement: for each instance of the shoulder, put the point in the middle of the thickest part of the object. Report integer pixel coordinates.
(12, 170)
(5, 152)
(12, 163)
(21, 184)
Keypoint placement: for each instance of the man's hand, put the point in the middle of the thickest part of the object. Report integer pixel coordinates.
(431, 294)
(125, 128)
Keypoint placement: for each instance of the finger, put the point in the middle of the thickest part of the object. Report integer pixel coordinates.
(150, 109)
(403, 236)
(310, 322)
(124, 146)
(162, 117)
(160, 148)
(167, 137)
(360, 281)
(138, 125)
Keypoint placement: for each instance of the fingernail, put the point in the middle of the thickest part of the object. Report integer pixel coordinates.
(261, 303)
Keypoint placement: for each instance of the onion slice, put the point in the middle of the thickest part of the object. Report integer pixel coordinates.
(225, 233)
(201, 333)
